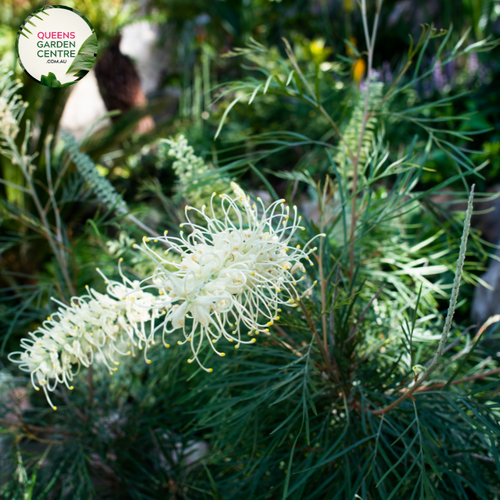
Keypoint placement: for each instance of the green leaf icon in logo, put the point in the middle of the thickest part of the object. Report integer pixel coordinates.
(85, 58)
(50, 80)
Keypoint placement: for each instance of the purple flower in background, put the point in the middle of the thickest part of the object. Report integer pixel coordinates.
(386, 72)
(437, 75)
(450, 72)
(374, 76)
(477, 71)
(472, 64)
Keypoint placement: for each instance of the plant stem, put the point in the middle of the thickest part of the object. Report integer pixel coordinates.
(20, 160)
(51, 189)
(143, 226)
(449, 316)
(317, 338)
(321, 272)
(319, 106)
(479, 376)
(370, 42)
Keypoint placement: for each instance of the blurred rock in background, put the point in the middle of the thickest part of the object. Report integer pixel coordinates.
(127, 72)
(120, 85)
(84, 107)
(140, 42)
(487, 300)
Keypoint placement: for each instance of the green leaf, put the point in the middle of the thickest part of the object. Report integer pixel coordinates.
(216, 492)
(81, 73)
(50, 80)
(223, 119)
(353, 47)
(85, 58)
(89, 45)
(409, 449)
(82, 62)
(431, 462)
(271, 190)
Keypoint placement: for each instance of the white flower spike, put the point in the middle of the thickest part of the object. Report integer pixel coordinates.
(234, 275)
(94, 324)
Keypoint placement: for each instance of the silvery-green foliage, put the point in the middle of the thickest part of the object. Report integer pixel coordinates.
(196, 179)
(352, 130)
(100, 186)
(11, 107)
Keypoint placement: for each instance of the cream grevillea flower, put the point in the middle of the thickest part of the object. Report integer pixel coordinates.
(8, 124)
(234, 275)
(11, 106)
(95, 323)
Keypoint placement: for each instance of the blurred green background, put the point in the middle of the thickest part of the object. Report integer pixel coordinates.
(176, 46)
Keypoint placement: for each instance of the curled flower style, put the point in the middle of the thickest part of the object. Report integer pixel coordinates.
(234, 275)
(95, 323)
(8, 124)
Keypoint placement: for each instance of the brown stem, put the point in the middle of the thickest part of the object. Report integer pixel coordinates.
(35, 428)
(370, 42)
(317, 338)
(479, 376)
(285, 335)
(361, 317)
(321, 273)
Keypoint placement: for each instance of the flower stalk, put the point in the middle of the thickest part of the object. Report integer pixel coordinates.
(449, 316)
(234, 276)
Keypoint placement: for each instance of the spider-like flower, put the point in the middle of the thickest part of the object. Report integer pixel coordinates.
(8, 124)
(95, 323)
(234, 275)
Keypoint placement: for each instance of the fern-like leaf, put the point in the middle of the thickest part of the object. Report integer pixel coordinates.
(196, 179)
(99, 185)
(353, 129)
